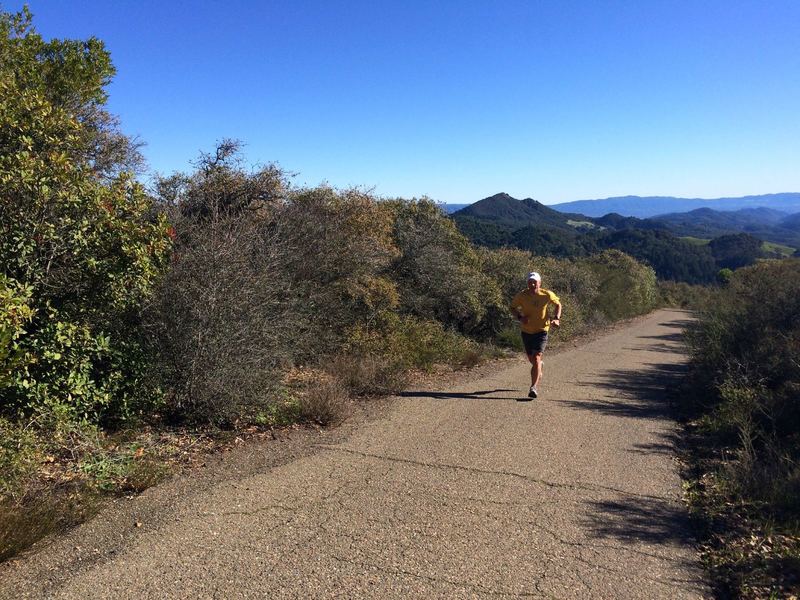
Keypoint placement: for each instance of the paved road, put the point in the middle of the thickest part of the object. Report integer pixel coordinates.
(457, 494)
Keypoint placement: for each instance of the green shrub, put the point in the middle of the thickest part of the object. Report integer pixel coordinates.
(625, 287)
(510, 337)
(410, 342)
(744, 356)
(80, 246)
(439, 274)
(679, 294)
(15, 314)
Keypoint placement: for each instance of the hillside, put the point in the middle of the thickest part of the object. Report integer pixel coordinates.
(650, 206)
(502, 220)
(505, 210)
(764, 223)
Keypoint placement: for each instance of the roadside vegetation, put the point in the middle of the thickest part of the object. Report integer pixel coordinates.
(744, 425)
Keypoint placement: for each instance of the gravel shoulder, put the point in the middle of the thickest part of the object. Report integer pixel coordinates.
(455, 488)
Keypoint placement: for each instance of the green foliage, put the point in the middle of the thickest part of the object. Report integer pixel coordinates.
(438, 272)
(744, 356)
(83, 251)
(626, 288)
(342, 251)
(15, 314)
(670, 257)
(410, 341)
(736, 250)
(548, 241)
(724, 276)
(680, 294)
(69, 76)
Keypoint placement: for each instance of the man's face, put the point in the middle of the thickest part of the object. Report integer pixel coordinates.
(534, 285)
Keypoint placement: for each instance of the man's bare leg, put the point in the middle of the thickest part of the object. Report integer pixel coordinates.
(536, 369)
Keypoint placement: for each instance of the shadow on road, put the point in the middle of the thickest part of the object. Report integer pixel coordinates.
(649, 520)
(637, 393)
(667, 446)
(676, 338)
(478, 395)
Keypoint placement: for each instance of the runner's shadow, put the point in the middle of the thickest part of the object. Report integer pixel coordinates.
(479, 395)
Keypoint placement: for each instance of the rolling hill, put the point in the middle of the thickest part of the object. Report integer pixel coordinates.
(764, 223)
(502, 220)
(504, 210)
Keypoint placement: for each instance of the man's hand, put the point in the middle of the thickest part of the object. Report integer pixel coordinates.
(556, 322)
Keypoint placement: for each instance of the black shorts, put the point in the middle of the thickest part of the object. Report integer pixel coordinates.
(534, 342)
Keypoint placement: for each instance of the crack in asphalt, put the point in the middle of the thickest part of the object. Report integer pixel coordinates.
(595, 549)
(462, 584)
(445, 466)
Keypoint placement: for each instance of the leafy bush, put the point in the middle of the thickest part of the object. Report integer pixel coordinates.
(744, 356)
(439, 273)
(82, 248)
(626, 288)
(342, 247)
(15, 314)
(410, 341)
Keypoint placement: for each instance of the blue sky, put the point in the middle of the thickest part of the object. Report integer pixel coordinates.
(459, 100)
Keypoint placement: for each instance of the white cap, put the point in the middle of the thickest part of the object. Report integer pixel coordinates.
(535, 276)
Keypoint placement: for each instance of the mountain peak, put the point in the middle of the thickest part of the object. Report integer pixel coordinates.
(503, 208)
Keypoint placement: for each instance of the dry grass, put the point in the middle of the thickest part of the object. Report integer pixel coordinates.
(25, 522)
(367, 375)
(325, 403)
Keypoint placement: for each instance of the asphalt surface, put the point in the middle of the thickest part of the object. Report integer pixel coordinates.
(462, 493)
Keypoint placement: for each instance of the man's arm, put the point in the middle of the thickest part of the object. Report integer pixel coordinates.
(516, 310)
(556, 320)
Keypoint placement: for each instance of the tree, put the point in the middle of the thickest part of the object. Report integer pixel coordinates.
(85, 246)
(438, 272)
(735, 250)
(70, 75)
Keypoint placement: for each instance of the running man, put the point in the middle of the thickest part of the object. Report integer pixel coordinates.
(530, 309)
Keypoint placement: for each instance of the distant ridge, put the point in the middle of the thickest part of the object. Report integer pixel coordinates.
(451, 208)
(649, 206)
